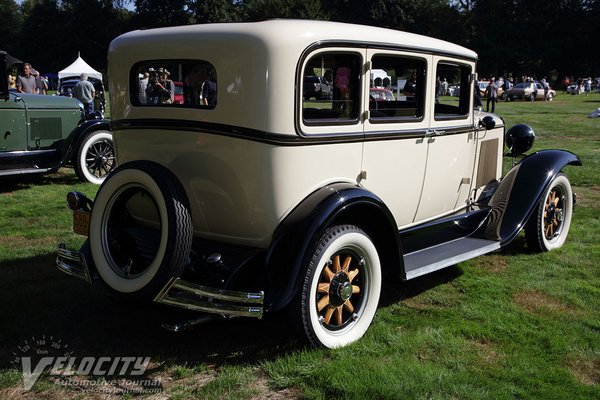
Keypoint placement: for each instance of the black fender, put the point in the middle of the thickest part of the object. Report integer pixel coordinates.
(519, 193)
(295, 238)
(80, 131)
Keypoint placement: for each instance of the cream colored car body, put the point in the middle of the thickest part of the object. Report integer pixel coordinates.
(249, 161)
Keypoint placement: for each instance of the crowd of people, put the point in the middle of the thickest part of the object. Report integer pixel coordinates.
(32, 82)
(581, 85)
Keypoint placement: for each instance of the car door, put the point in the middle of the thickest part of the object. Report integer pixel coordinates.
(451, 141)
(13, 127)
(395, 150)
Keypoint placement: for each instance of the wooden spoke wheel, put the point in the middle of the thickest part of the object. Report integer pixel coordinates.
(548, 227)
(338, 290)
(341, 288)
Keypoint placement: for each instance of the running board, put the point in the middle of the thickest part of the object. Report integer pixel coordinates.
(433, 258)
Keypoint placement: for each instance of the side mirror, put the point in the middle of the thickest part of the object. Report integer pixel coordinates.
(487, 122)
(519, 139)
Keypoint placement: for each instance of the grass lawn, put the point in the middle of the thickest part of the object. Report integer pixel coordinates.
(507, 325)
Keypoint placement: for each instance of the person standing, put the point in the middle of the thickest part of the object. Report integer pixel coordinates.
(41, 87)
(84, 92)
(491, 94)
(26, 82)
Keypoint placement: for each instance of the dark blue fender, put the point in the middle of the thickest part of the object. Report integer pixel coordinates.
(521, 190)
(81, 130)
(295, 239)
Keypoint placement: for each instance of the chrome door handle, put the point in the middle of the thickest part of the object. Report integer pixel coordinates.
(434, 133)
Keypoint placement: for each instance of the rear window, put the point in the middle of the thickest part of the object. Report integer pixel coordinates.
(174, 83)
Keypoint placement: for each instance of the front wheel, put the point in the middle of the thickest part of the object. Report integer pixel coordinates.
(341, 287)
(95, 157)
(548, 227)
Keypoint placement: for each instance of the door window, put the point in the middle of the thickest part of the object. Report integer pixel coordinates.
(397, 88)
(452, 93)
(331, 83)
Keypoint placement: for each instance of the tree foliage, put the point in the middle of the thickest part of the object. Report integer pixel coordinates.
(534, 37)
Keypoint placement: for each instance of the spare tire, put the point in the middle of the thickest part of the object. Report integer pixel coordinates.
(140, 230)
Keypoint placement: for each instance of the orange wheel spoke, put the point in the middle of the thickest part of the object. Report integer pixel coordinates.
(323, 288)
(328, 274)
(352, 274)
(355, 289)
(323, 303)
(328, 314)
(336, 264)
(338, 315)
(346, 265)
(348, 306)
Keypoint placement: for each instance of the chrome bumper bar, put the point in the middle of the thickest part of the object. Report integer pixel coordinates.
(191, 296)
(72, 263)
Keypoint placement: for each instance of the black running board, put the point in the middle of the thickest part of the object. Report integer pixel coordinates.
(433, 258)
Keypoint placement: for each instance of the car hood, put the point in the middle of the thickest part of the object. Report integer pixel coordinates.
(45, 102)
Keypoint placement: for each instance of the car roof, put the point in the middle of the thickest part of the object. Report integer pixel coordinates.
(298, 33)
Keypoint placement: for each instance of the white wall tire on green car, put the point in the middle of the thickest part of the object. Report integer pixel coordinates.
(140, 230)
(95, 157)
(341, 288)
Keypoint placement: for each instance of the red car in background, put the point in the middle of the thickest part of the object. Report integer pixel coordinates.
(178, 98)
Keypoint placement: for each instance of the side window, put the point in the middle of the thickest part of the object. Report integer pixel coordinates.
(397, 88)
(174, 83)
(452, 93)
(331, 88)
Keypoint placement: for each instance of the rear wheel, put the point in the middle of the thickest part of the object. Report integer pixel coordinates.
(341, 288)
(95, 157)
(532, 97)
(140, 230)
(548, 227)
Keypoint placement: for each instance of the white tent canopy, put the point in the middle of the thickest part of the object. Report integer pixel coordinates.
(78, 67)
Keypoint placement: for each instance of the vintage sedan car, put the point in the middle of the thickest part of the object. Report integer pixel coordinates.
(529, 91)
(269, 201)
(41, 133)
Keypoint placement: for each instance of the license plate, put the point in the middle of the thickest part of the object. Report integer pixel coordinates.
(81, 222)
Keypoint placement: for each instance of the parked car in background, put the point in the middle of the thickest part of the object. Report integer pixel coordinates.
(379, 94)
(40, 134)
(178, 95)
(483, 86)
(273, 201)
(65, 87)
(529, 91)
(316, 87)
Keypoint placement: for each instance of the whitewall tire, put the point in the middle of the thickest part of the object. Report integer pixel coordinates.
(341, 289)
(95, 157)
(140, 230)
(548, 227)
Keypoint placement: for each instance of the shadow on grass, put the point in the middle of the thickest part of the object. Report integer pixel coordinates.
(39, 300)
(22, 182)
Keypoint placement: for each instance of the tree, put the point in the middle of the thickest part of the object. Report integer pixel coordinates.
(9, 32)
(158, 13)
(205, 11)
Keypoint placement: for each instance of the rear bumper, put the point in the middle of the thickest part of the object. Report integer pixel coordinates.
(177, 292)
(73, 263)
(185, 294)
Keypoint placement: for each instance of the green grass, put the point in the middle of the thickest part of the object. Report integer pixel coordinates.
(507, 325)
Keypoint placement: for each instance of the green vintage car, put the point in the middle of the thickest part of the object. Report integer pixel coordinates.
(40, 134)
